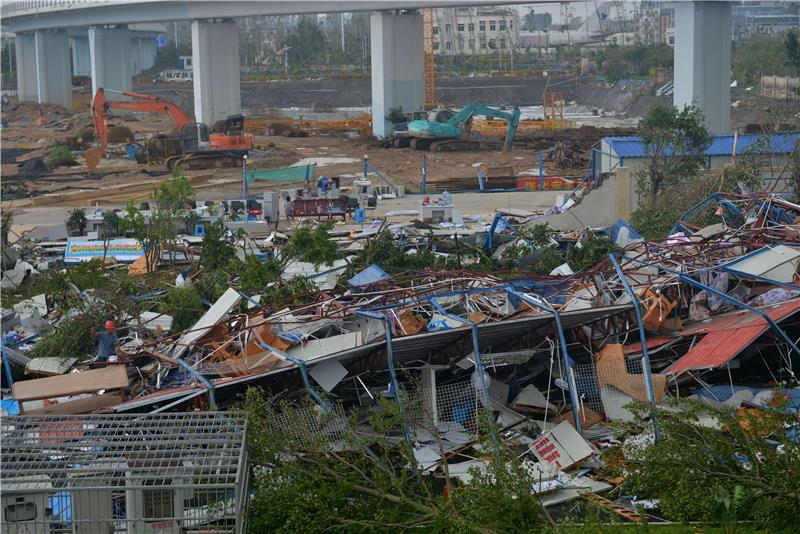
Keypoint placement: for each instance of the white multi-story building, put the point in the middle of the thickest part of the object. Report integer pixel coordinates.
(475, 30)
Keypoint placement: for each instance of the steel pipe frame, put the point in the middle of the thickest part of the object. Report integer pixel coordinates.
(203, 380)
(478, 365)
(387, 326)
(637, 309)
(573, 388)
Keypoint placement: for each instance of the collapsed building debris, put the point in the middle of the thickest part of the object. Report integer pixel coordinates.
(553, 360)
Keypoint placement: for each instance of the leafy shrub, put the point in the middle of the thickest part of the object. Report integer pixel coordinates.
(184, 305)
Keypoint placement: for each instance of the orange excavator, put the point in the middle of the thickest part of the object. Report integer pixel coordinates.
(190, 145)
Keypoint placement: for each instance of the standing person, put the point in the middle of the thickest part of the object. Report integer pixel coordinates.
(307, 189)
(323, 187)
(107, 343)
(288, 207)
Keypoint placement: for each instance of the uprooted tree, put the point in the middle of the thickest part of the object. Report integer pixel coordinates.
(706, 452)
(314, 471)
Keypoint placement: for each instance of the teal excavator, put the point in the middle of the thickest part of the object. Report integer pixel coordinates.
(452, 134)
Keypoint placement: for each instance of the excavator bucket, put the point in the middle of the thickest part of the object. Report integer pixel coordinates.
(92, 156)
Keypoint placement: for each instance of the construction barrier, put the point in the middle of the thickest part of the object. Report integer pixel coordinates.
(550, 183)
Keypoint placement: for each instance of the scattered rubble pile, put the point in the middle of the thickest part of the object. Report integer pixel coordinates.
(555, 360)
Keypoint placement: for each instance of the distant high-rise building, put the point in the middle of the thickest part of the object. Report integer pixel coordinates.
(758, 18)
(475, 30)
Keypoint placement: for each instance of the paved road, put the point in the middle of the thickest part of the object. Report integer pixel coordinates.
(469, 203)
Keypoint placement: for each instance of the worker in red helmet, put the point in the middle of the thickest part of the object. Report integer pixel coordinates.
(107, 343)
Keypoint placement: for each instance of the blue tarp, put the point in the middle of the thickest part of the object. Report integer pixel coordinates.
(633, 235)
(369, 276)
(9, 406)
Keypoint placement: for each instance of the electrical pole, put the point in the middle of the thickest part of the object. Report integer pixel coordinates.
(342, 30)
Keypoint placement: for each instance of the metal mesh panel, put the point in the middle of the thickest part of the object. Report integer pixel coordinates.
(95, 474)
(608, 386)
(305, 422)
(457, 405)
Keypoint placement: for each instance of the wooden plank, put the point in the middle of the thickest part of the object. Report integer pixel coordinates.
(111, 377)
(85, 405)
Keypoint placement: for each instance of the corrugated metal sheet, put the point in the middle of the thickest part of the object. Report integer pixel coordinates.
(779, 143)
(726, 336)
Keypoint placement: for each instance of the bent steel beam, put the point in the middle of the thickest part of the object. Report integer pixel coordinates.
(387, 326)
(637, 309)
(212, 400)
(573, 388)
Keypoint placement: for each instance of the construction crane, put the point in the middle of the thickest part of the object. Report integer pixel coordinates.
(429, 59)
(452, 135)
(190, 145)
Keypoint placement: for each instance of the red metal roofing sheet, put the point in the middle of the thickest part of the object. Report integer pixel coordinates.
(727, 335)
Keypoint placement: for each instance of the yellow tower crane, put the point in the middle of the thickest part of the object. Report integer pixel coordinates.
(429, 58)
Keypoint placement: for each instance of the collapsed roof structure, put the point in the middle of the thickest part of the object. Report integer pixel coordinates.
(709, 311)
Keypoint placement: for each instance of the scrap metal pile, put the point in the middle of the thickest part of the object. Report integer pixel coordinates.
(710, 311)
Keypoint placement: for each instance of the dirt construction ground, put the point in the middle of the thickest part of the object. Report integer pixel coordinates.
(119, 179)
(29, 129)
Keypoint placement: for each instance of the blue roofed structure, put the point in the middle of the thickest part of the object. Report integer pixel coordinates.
(629, 151)
(722, 145)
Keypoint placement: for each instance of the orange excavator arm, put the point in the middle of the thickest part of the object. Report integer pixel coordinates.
(144, 102)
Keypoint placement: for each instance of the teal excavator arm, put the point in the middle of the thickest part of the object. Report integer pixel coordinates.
(511, 117)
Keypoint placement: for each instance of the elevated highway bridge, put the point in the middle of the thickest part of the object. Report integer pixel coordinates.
(44, 30)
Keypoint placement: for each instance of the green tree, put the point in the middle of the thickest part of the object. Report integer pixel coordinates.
(184, 305)
(730, 508)
(761, 55)
(366, 484)
(592, 250)
(167, 215)
(629, 61)
(76, 223)
(219, 246)
(746, 168)
(305, 43)
(674, 140)
(311, 245)
(111, 223)
(792, 46)
(703, 448)
(6, 221)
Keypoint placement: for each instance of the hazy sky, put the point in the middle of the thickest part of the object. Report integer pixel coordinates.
(576, 9)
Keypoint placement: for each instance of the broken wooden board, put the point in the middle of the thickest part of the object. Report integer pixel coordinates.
(111, 377)
(50, 366)
(79, 406)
